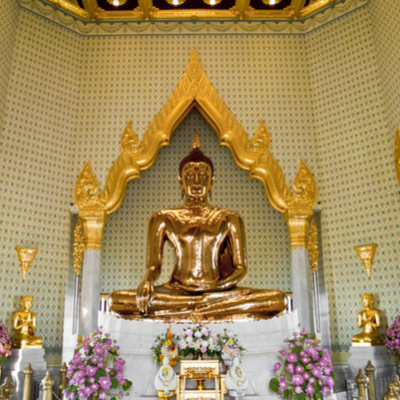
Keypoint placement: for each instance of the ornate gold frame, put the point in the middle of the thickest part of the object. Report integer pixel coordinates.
(195, 90)
(146, 11)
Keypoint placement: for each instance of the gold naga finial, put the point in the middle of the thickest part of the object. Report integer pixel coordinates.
(196, 141)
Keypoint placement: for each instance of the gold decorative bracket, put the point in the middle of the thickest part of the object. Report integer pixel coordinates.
(313, 246)
(78, 247)
(252, 154)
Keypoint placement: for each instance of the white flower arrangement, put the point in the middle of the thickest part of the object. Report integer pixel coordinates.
(199, 340)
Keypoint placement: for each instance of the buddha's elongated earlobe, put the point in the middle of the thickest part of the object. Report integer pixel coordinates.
(183, 194)
(210, 195)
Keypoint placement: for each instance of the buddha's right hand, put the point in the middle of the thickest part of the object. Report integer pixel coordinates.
(144, 295)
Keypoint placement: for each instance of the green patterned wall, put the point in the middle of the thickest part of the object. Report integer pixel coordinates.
(357, 182)
(9, 11)
(38, 143)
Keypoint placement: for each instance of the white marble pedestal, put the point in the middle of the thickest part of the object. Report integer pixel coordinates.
(380, 359)
(261, 339)
(13, 368)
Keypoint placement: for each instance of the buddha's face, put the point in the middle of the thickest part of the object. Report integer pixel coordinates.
(367, 301)
(196, 180)
(27, 303)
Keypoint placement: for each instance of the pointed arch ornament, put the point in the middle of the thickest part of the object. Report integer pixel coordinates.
(194, 90)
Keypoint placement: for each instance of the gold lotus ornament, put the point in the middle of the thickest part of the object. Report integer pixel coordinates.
(25, 256)
(367, 254)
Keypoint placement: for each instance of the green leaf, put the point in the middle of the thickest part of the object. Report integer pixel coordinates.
(333, 375)
(301, 396)
(114, 383)
(100, 373)
(274, 385)
(287, 394)
(187, 352)
(127, 385)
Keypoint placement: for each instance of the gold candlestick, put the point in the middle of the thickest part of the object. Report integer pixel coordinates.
(25, 256)
(367, 254)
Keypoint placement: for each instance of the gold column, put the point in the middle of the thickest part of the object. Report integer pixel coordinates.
(298, 222)
(93, 226)
(361, 382)
(47, 384)
(370, 369)
(63, 380)
(28, 372)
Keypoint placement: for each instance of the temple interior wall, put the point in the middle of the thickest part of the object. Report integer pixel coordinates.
(328, 97)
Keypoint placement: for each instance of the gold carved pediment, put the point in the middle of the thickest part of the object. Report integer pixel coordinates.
(252, 154)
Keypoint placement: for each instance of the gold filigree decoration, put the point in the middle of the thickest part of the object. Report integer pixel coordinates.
(130, 143)
(195, 90)
(313, 246)
(260, 142)
(78, 247)
(240, 13)
(146, 14)
(367, 254)
(397, 154)
(25, 257)
(87, 196)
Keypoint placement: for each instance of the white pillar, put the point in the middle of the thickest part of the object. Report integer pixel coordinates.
(298, 221)
(90, 294)
(301, 287)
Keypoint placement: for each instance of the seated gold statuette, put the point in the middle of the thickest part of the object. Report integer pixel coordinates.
(369, 320)
(211, 260)
(24, 324)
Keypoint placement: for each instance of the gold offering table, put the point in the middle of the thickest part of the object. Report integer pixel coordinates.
(200, 371)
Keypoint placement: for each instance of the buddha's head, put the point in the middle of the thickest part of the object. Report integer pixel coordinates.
(367, 300)
(27, 302)
(196, 173)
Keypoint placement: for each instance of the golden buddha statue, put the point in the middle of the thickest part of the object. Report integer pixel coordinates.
(211, 260)
(24, 324)
(370, 321)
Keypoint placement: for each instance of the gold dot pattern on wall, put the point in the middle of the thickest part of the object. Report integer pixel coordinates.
(357, 181)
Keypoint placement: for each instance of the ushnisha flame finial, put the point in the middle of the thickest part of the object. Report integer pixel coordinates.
(196, 141)
(25, 257)
(367, 254)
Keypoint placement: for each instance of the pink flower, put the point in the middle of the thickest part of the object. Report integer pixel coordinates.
(312, 380)
(316, 372)
(98, 350)
(303, 332)
(298, 390)
(298, 343)
(306, 375)
(305, 360)
(285, 340)
(105, 382)
(277, 367)
(297, 380)
(283, 352)
(103, 395)
(91, 371)
(94, 387)
(325, 391)
(299, 369)
(203, 349)
(310, 389)
(294, 333)
(291, 346)
(329, 381)
(290, 368)
(292, 357)
(302, 353)
(282, 386)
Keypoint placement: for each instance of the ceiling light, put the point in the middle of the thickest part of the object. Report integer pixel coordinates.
(271, 2)
(117, 3)
(212, 2)
(176, 2)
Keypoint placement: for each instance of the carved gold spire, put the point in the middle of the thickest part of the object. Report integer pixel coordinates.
(367, 254)
(196, 141)
(25, 256)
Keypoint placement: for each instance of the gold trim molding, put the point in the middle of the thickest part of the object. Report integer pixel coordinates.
(194, 90)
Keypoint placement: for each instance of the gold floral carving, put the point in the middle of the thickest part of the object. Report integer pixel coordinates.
(367, 254)
(397, 154)
(313, 246)
(298, 223)
(252, 154)
(78, 247)
(25, 257)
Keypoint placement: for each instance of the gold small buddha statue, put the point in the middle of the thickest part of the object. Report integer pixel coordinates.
(211, 260)
(24, 324)
(369, 320)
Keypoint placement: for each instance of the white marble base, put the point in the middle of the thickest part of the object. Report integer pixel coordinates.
(13, 368)
(380, 359)
(261, 339)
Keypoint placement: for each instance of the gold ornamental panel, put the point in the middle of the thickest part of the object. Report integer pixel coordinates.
(252, 154)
